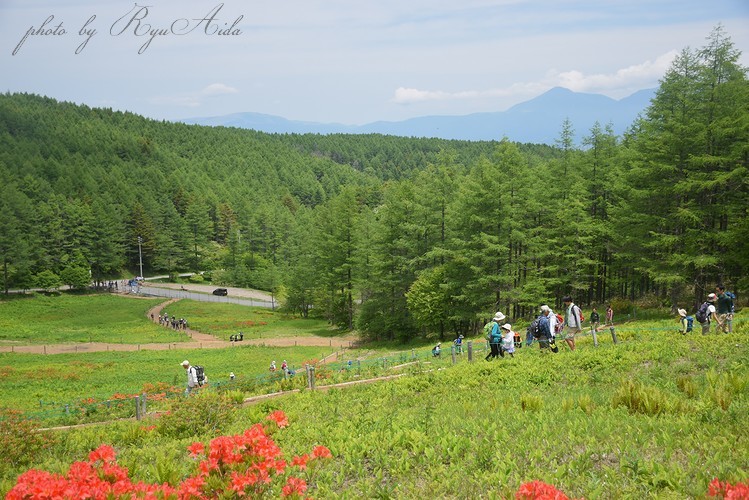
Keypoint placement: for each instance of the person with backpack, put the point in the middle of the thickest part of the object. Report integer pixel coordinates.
(436, 350)
(495, 337)
(725, 310)
(574, 321)
(543, 330)
(193, 379)
(458, 344)
(687, 322)
(706, 312)
(548, 326)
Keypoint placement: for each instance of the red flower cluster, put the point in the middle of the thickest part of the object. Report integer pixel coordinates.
(538, 490)
(245, 464)
(279, 418)
(728, 491)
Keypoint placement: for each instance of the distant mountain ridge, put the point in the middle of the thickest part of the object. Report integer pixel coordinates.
(538, 120)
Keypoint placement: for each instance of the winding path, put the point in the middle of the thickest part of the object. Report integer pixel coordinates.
(197, 340)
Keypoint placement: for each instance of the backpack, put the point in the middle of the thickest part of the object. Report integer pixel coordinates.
(560, 324)
(199, 375)
(488, 330)
(533, 331)
(530, 332)
(732, 296)
(690, 323)
(582, 318)
(701, 313)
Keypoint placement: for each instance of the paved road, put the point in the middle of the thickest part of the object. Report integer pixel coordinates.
(202, 293)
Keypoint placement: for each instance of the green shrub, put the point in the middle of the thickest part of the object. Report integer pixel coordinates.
(203, 413)
(687, 385)
(586, 404)
(20, 441)
(531, 402)
(639, 398)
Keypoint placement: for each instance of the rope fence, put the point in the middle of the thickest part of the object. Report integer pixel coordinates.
(307, 377)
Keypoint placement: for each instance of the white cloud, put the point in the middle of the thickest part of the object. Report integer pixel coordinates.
(619, 84)
(218, 89)
(636, 76)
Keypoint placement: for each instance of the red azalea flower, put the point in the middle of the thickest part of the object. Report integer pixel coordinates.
(538, 490)
(726, 490)
(105, 453)
(294, 486)
(321, 452)
(241, 481)
(300, 461)
(191, 487)
(279, 418)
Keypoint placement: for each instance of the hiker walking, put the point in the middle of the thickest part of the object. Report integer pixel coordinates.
(574, 321)
(609, 316)
(508, 340)
(685, 321)
(595, 320)
(546, 328)
(725, 309)
(706, 313)
(192, 377)
(458, 344)
(495, 337)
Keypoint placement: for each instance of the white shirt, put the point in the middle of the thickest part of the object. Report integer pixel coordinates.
(573, 317)
(508, 341)
(552, 323)
(192, 377)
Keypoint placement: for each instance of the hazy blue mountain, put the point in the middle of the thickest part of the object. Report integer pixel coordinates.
(538, 120)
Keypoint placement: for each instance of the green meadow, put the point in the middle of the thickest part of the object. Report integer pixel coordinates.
(68, 318)
(658, 415)
(225, 319)
(36, 382)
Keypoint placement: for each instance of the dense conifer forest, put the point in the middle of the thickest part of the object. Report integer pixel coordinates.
(397, 237)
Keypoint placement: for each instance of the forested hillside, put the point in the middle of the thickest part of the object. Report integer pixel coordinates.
(397, 237)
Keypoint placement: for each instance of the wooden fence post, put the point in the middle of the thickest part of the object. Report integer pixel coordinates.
(452, 353)
(470, 351)
(310, 377)
(137, 407)
(613, 334)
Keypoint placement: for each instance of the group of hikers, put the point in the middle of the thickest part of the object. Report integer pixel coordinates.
(543, 329)
(173, 322)
(719, 309)
(284, 368)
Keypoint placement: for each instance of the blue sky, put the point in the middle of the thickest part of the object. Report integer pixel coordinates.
(349, 61)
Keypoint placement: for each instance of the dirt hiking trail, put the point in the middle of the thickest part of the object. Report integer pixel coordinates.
(197, 340)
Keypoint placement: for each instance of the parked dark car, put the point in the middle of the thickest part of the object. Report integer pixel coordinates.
(221, 291)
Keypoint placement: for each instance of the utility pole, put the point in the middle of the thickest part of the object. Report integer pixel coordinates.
(140, 256)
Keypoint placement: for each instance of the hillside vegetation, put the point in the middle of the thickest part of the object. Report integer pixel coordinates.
(657, 415)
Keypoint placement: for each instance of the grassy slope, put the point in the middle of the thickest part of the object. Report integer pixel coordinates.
(224, 319)
(68, 378)
(479, 430)
(66, 318)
